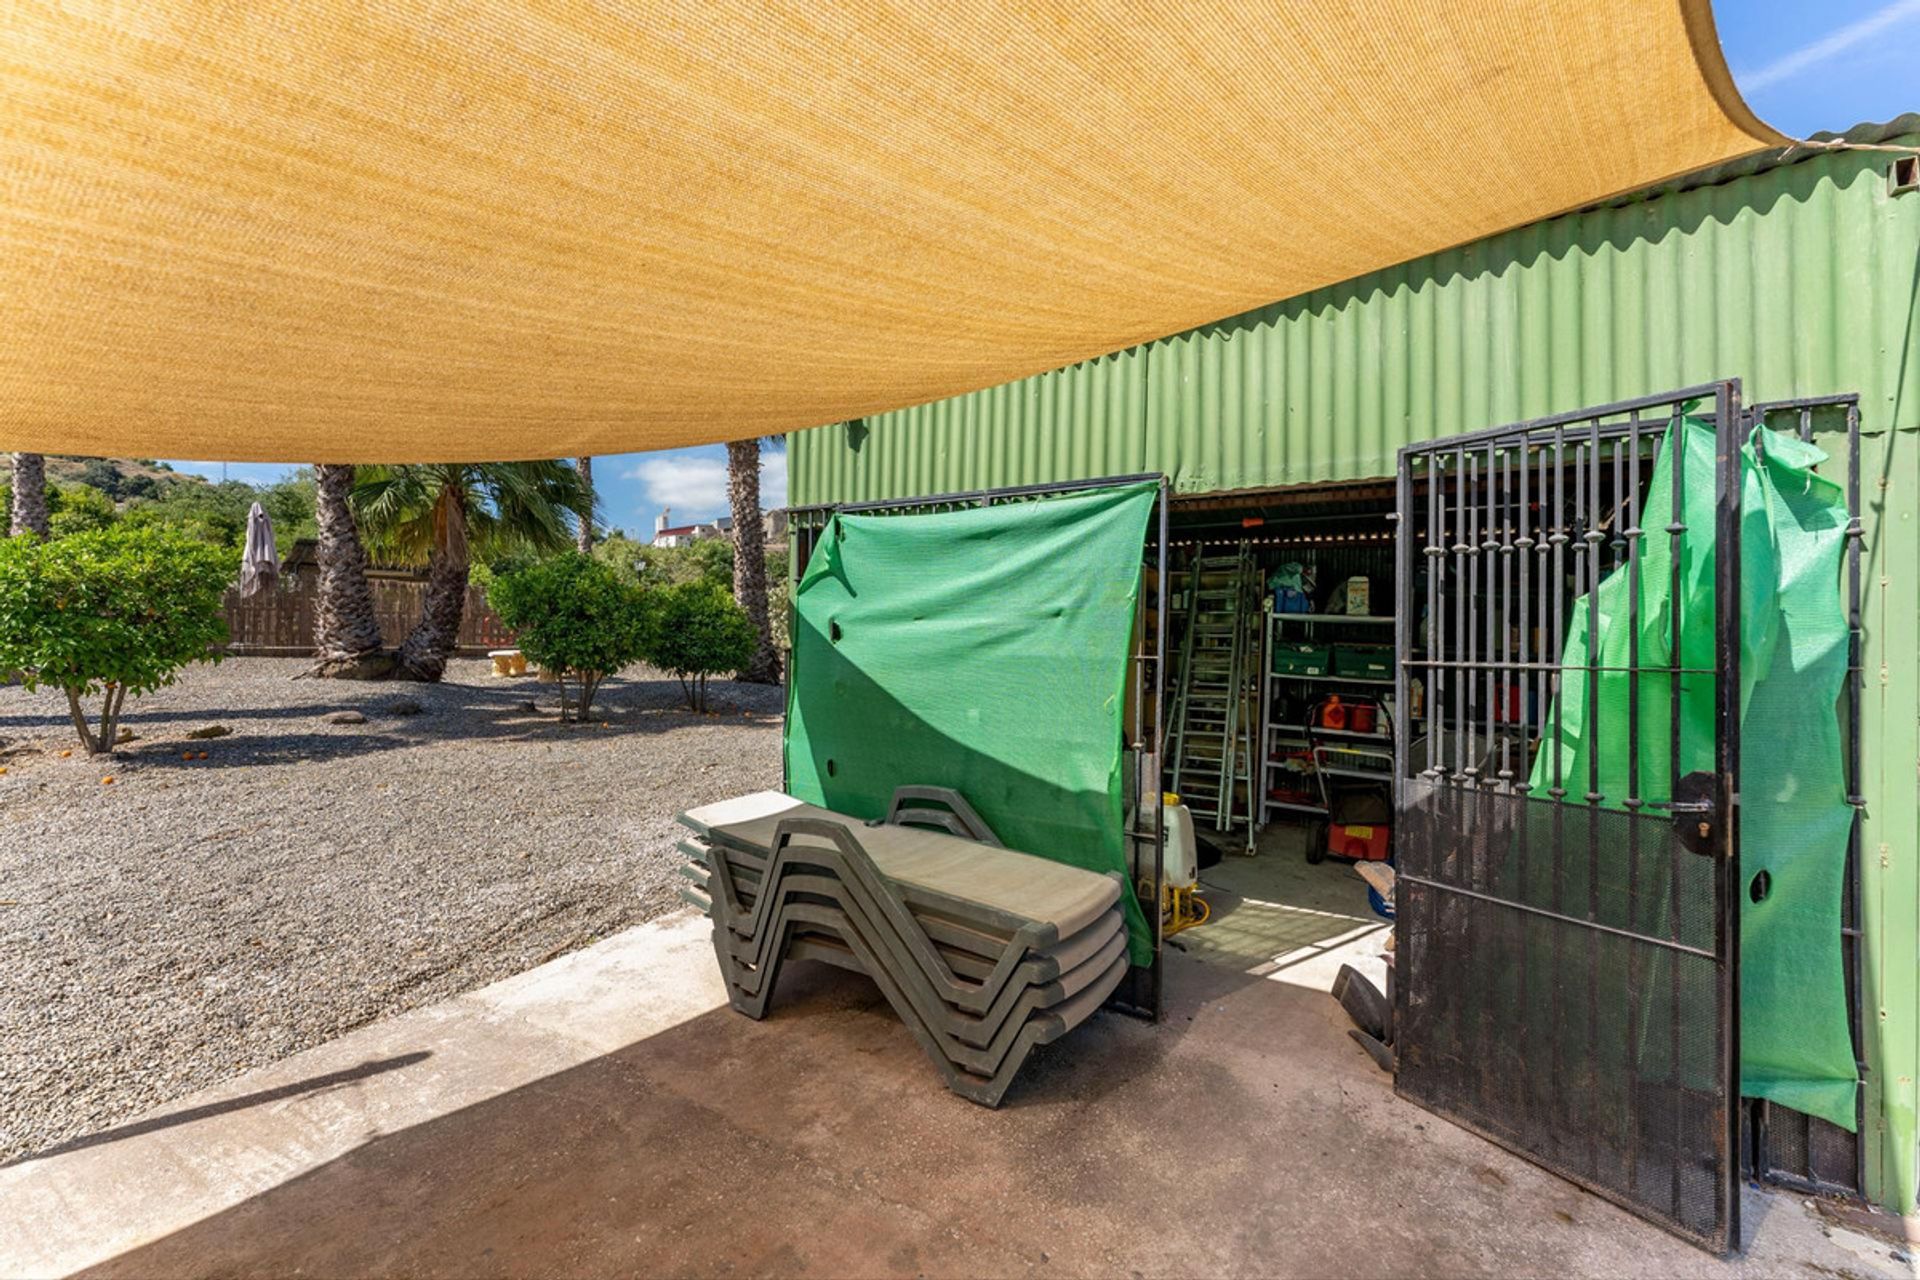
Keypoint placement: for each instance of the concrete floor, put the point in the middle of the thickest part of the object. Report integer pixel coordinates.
(607, 1114)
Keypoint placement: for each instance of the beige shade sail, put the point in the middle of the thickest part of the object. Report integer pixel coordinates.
(418, 230)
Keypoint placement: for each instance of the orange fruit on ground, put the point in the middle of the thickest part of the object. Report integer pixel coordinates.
(107, 781)
(186, 755)
(65, 754)
(203, 755)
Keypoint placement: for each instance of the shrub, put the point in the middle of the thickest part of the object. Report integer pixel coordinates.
(699, 631)
(108, 613)
(77, 509)
(579, 618)
(483, 574)
(709, 560)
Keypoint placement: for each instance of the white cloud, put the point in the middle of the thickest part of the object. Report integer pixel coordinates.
(695, 486)
(1790, 65)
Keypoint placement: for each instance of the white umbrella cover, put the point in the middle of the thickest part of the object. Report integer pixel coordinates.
(259, 565)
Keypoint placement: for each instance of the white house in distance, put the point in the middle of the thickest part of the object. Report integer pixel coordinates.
(665, 535)
(773, 529)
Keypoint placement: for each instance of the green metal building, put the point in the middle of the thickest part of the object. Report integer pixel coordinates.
(1796, 272)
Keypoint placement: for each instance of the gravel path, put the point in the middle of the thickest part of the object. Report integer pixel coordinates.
(195, 919)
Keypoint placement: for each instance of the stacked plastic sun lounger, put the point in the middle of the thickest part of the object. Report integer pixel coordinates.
(983, 952)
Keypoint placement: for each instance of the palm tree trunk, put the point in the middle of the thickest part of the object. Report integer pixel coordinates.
(583, 536)
(750, 557)
(29, 513)
(424, 654)
(346, 632)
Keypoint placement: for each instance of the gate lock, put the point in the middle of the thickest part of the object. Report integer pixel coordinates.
(1695, 810)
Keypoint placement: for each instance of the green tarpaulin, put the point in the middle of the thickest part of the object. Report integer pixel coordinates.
(985, 650)
(1796, 1048)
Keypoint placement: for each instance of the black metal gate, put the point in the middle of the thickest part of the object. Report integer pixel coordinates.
(1567, 935)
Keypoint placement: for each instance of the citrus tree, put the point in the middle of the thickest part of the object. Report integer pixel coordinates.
(698, 631)
(577, 617)
(110, 613)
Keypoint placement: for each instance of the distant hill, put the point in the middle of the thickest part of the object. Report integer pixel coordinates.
(118, 478)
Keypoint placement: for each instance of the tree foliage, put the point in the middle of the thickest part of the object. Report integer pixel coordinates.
(217, 513)
(77, 508)
(575, 616)
(447, 515)
(699, 632)
(210, 513)
(108, 613)
(710, 560)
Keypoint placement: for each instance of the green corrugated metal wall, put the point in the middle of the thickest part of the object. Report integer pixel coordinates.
(1803, 279)
(1800, 280)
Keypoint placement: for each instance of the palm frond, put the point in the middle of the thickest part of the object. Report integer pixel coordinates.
(509, 506)
(394, 506)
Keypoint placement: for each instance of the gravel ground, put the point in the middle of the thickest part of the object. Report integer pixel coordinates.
(195, 919)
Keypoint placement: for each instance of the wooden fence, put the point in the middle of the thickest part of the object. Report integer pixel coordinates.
(279, 623)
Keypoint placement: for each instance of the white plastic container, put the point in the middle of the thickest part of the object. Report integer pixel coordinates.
(1180, 868)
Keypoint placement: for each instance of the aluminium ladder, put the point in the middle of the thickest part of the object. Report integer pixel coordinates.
(1212, 755)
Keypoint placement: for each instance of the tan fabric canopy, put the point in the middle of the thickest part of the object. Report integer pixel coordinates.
(452, 229)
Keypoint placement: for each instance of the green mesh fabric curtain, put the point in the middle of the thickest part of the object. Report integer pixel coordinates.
(985, 650)
(1796, 1048)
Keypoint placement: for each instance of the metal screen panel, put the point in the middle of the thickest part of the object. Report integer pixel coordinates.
(1140, 992)
(1566, 951)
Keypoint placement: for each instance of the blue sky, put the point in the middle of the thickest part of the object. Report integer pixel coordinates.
(1803, 65)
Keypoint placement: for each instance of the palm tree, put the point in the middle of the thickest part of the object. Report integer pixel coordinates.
(583, 531)
(346, 632)
(750, 557)
(29, 513)
(442, 513)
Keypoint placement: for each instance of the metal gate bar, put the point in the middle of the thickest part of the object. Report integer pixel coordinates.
(1559, 989)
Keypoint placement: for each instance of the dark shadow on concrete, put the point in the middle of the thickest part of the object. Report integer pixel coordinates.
(819, 1142)
(313, 1084)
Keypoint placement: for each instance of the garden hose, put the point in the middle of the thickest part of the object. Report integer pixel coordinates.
(1179, 908)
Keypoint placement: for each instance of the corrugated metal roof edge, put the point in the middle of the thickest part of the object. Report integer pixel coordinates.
(1865, 134)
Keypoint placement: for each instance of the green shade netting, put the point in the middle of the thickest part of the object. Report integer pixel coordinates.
(1795, 1045)
(984, 650)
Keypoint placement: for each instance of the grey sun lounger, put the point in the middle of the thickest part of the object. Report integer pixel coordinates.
(810, 842)
(968, 952)
(981, 1076)
(963, 1035)
(984, 952)
(814, 930)
(1023, 1035)
(984, 883)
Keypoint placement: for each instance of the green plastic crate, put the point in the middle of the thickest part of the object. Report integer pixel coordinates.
(1363, 661)
(1293, 658)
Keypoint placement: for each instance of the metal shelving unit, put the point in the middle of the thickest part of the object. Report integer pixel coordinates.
(1275, 735)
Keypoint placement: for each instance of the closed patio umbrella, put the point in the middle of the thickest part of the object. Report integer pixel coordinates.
(259, 564)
